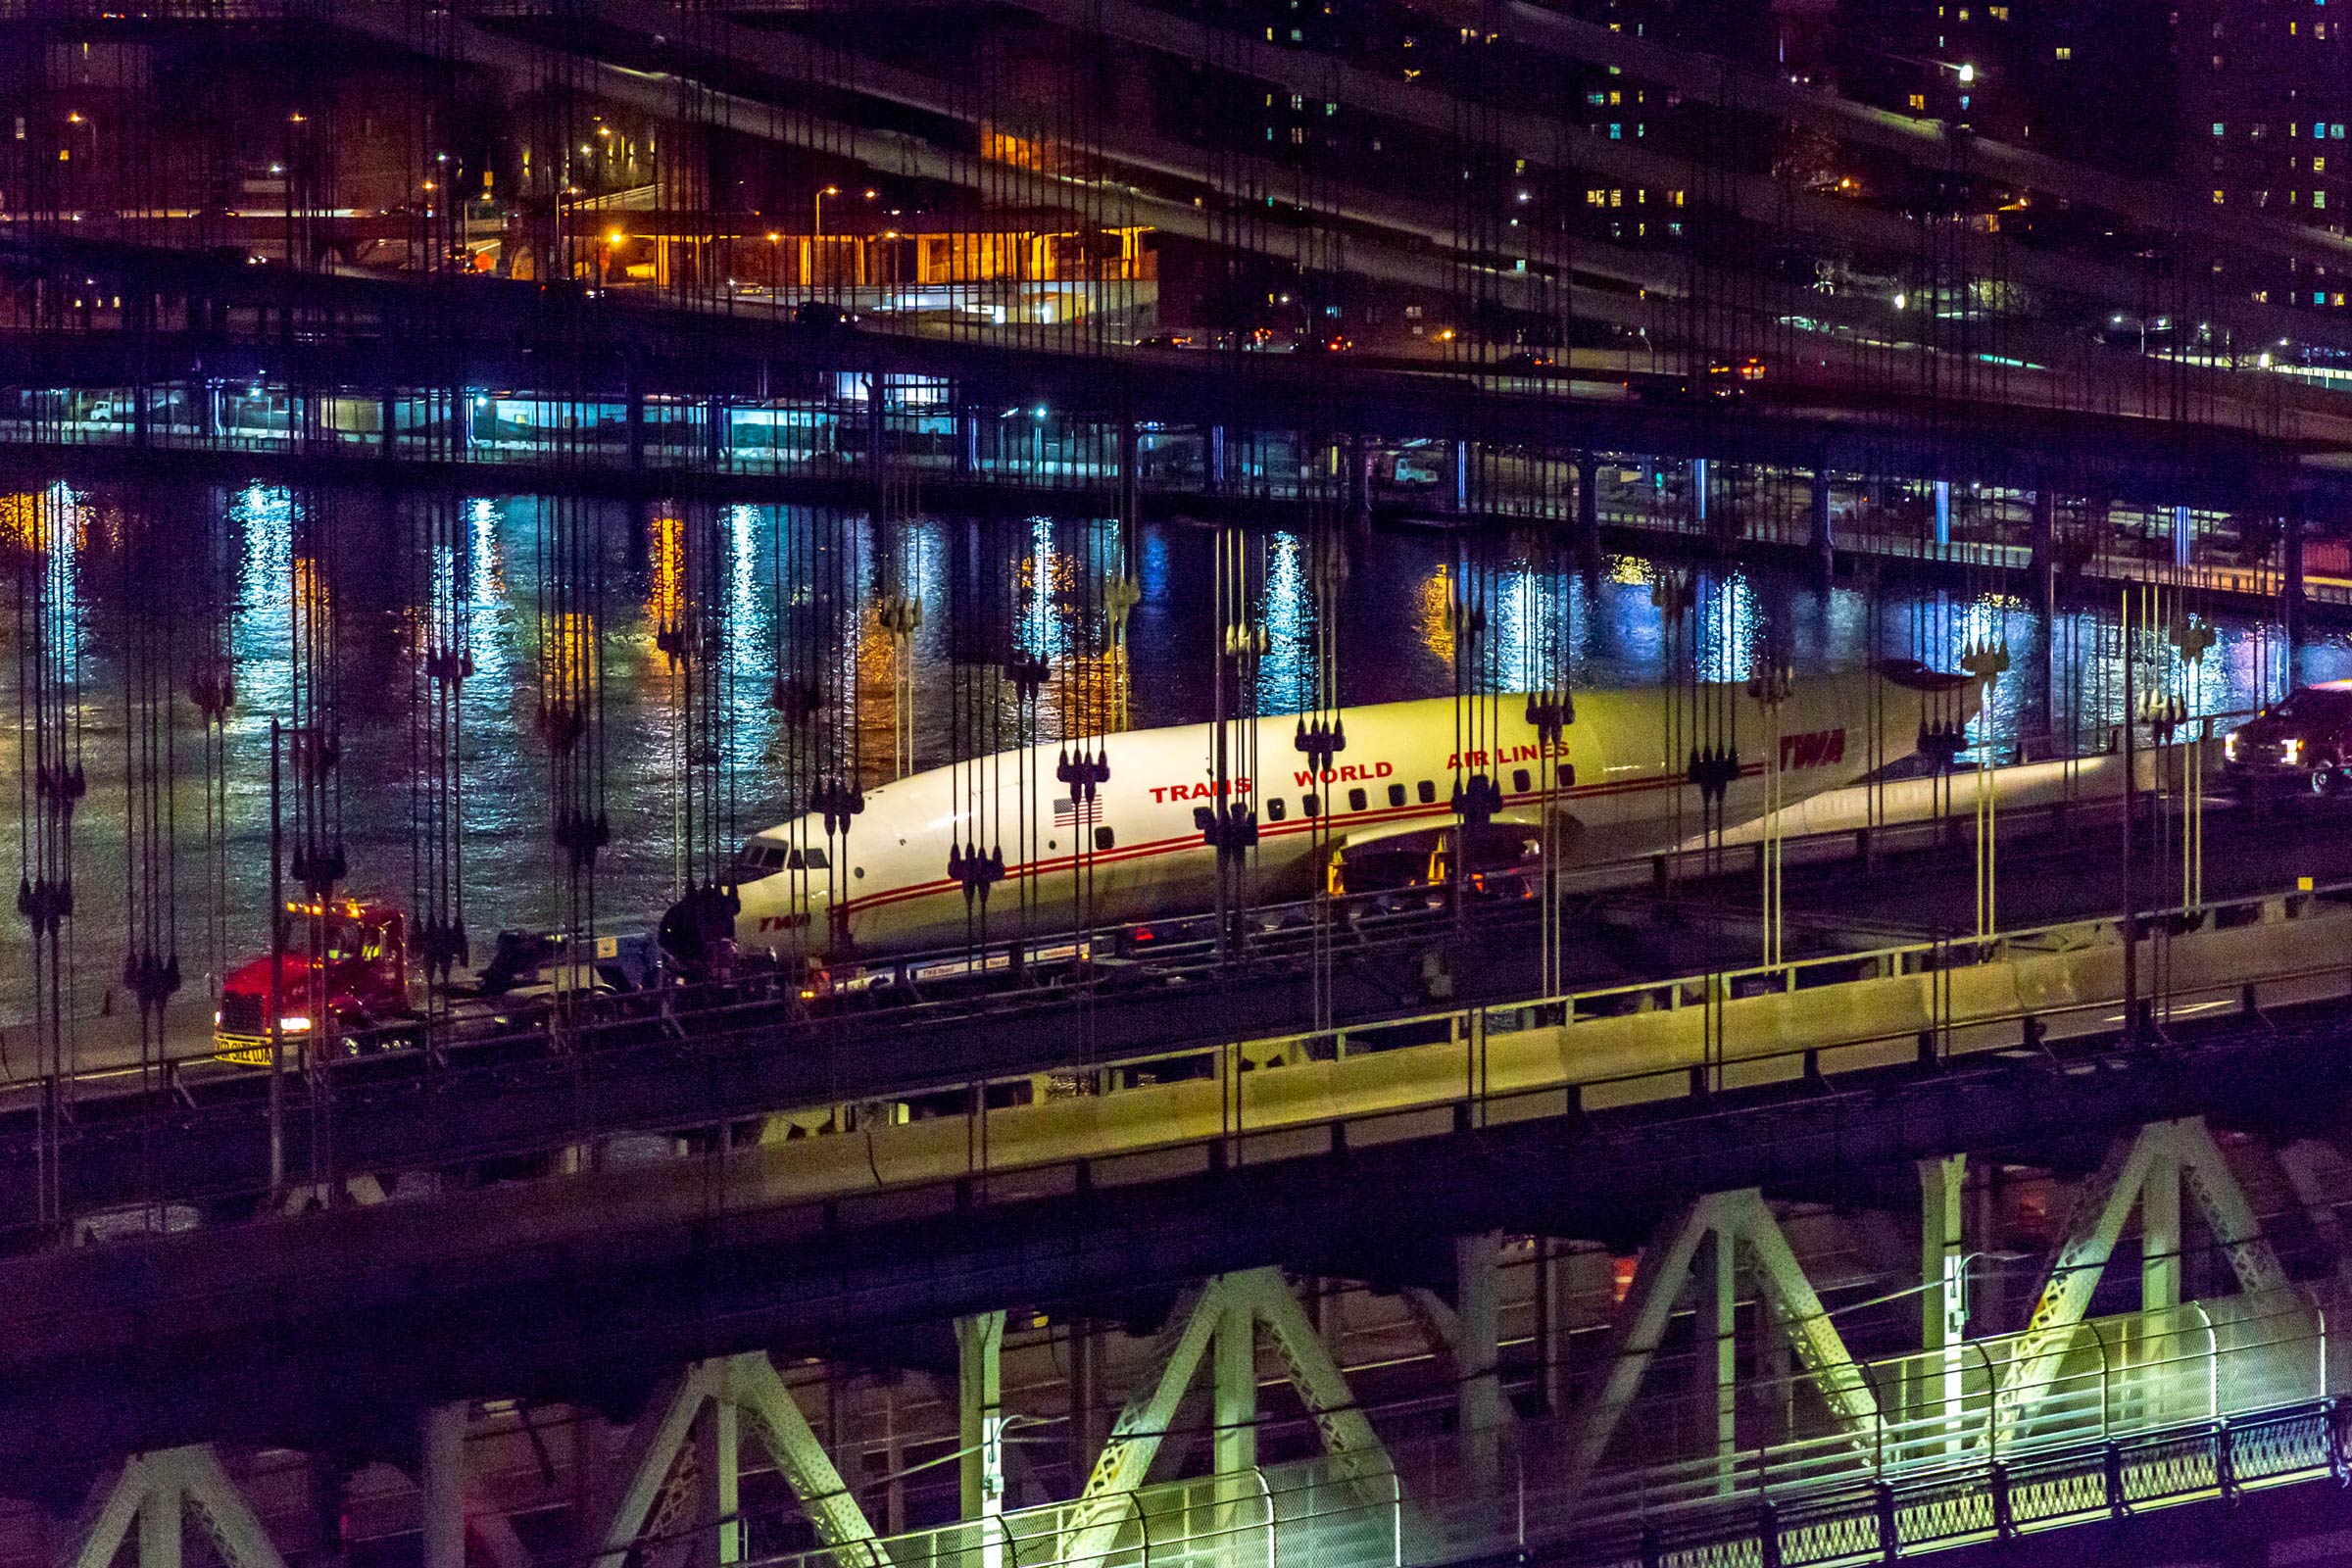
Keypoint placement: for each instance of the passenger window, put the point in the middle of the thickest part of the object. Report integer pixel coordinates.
(1520, 782)
(1103, 839)
(1311, 804)
(1276, 811)
(818, 860)
(1395, 795)
(1357, 801)
(1428, 793)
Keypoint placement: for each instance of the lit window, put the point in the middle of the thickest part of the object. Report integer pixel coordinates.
(2319, 165)
(2218, 198)
(1617, 197)
(1616, 132)
(2335, 131)
(2217, 128)
(2064, 52)
(1919, 100)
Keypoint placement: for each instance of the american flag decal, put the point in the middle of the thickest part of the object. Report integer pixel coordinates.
(1073, 813)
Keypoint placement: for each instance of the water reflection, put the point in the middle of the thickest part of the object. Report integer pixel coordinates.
(794, 594)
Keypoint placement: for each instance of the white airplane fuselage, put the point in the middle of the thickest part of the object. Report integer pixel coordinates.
(1617, 783)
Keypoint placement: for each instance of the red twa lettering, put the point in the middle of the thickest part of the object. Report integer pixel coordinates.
(1816, 748)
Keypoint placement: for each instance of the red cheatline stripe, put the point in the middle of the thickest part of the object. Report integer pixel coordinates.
(1338, 824)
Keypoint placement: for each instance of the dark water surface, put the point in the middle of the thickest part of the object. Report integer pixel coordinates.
(796, 590)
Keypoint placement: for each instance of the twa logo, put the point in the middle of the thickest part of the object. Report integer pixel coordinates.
(1816, 749)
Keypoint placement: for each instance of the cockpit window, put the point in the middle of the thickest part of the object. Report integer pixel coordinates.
(756, 860)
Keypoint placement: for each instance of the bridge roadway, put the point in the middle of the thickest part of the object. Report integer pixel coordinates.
(369, 337)
(722, 1064)
(1587, 1115)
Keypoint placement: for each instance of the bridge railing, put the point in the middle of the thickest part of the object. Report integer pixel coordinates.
(1171, 1112)
(2205, 1399)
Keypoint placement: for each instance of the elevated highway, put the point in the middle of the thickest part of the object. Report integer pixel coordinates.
(402, 341)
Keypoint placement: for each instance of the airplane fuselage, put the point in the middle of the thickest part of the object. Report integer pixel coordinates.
(1617, 783)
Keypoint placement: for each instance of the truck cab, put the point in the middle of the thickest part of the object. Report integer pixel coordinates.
(2304, 740)
(342, 987)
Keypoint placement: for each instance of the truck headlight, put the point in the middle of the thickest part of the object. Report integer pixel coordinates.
(2292, 752)
(294, 1023)
(2230, 746)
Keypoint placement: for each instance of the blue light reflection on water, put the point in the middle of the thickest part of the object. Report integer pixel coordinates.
(1394, 637)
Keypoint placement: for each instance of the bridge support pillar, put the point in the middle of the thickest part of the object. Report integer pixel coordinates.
(1821, 542)
(1697, 1247)
(2292, 543)
(2184, 530)
(717, 434)
(1235, 1387)
(1943, 513)
(1563, 1272)
(1714, 1276)
(1130, 477)
(1084, 1431)
(1461, 476)
(2160, 1232)
(2150, 1172)
(1213, 460)
(1478, 1301)
(155, 1490)
(1944, 1304)
(2045, 539)
(1225, 1313)
(1698, 491)
(442, 1483)
(980, 1413)
(745, 1385)
(1588, 502)
(719, 1465)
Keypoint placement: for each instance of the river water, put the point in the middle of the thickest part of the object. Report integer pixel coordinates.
(793, 590)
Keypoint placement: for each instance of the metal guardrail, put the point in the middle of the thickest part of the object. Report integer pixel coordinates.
(1167, 1112)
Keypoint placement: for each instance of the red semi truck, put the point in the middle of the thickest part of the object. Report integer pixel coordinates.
(342, 990)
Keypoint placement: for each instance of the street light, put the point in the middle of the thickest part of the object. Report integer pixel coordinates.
(817, 225)
(77, 117)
